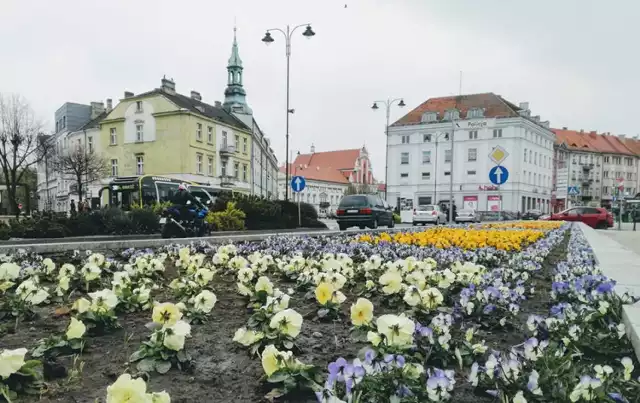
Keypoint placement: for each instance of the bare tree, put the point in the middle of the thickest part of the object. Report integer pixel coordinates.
(358, 188)
(20, 147)
(81, 166)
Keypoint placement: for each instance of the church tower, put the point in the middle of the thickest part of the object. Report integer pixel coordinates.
(235, 95)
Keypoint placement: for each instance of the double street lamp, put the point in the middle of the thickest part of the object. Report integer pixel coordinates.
(388, 103)
(268, 39)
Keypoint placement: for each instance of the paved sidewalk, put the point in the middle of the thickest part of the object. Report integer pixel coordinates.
(618, 255)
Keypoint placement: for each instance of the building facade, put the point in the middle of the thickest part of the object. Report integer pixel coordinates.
(452, 137)
(162, 132)
(77, 125)
(590, 167)
(324, 188)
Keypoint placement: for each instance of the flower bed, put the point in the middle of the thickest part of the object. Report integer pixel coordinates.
(514, 315)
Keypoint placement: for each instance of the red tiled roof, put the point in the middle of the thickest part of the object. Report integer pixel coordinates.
(633, 145)
(494, 107)
(592, 141)
(340, 160)
(318, 173)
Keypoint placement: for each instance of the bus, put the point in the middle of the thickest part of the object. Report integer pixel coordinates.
(146, 190)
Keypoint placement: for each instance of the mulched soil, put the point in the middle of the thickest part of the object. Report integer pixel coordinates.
(224, 372)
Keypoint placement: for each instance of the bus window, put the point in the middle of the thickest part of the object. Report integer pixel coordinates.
(200, 193)
(149, 195)
(166, 190)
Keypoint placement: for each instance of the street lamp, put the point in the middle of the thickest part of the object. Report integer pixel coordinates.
(388, 103)
(268, 39)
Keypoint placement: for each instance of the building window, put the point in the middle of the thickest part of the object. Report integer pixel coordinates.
(473, 135)
(223, 168)
(64, 122)
(210, 166)
(244, 145)
(404, 158)
(209, 134)
(525, 155)
(244, 172)
(426, 175)
(426, 157)
(237, 144)
(139, 132)
(447, 173)
(199, 131)
(404, 175)
(475, 113)
(224, 138)
(617, 160)
(114, 167)
(426, 138)
(535, 158)
(113, 136)
(447, 155)
(90, 144)
(471, 173)
(605, 159)
(497, 133)
(405, 139)
(531, 157)
(138, 106)
(472, 154)
(452, 114)
(236, 169)
(429, 117)
(139, 165)
(57, 127)
(199, 163)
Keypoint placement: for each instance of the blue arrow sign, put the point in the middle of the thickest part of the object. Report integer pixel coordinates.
(573, 191)
(498, 175)
(298, 183)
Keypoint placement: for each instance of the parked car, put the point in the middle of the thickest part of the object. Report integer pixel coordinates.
(596, 217)
(364, 211)
(467, 215)
(429, 214)
(532, 215)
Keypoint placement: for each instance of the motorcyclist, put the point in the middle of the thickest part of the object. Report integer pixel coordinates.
(188, 204)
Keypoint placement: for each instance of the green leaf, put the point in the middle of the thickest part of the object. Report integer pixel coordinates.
(146, 365)
(138, 355)
(278, 376)
(163, 366)
(274, 394)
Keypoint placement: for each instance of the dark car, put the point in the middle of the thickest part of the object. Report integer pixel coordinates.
(532, 215)
(364, 211)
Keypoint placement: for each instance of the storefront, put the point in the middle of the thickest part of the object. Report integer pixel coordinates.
(493, 202)
(470, 202)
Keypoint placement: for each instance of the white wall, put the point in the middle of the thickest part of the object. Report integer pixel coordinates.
(518, 134)
(133, 118)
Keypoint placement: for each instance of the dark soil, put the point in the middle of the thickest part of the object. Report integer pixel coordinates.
(224, 372)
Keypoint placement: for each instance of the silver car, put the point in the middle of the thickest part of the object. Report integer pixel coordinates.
(429, 214)
(467, 215)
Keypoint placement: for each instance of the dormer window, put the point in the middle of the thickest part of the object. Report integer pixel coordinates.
(429, 117)
(475, 113)
(138, 106)
(452, 114)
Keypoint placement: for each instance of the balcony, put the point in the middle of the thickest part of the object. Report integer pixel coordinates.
(587, 167)
(227, 150)
(226, 180)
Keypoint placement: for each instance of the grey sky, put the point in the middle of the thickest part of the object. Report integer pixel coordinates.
(575, 61)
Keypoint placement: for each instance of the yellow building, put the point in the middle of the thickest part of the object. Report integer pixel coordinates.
(162, 132)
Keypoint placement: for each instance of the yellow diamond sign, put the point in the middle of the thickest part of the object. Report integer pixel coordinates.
(498, 154)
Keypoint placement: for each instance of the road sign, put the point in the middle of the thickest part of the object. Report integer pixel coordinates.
(498, 175)
(498, 154)
(298, 183)
(573, 191)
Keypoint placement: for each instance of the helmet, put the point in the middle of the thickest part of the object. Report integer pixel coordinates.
(183, 186)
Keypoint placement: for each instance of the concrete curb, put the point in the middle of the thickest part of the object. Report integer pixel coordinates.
(101, 245)
(623, 265)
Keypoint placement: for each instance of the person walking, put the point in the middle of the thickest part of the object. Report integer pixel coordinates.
(72, 208)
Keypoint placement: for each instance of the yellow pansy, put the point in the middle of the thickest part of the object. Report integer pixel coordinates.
(361, 312)
(166, 314)
(324, 291)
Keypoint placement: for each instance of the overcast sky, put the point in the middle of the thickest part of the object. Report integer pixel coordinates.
(575, 61)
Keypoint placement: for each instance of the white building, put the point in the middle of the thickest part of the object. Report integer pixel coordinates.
(420, 156)
(324, 187)
(76, 125)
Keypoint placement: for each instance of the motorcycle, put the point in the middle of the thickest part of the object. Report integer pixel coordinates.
(176, 226)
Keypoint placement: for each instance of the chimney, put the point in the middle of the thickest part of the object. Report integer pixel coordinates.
(621, 136)
(96, 109)
(564, 127)
(545, 124)
(196, 95)
(218, 104)
(109, 104)
(128, 94)
(536, 118)
(524, 105)
(313, 149)
(581, 131)
(593, 132)
(168, 86)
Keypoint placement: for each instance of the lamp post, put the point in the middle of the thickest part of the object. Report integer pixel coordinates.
(288, 32)
(388, 103)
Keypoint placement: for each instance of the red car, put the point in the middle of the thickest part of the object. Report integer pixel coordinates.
(595, 217)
